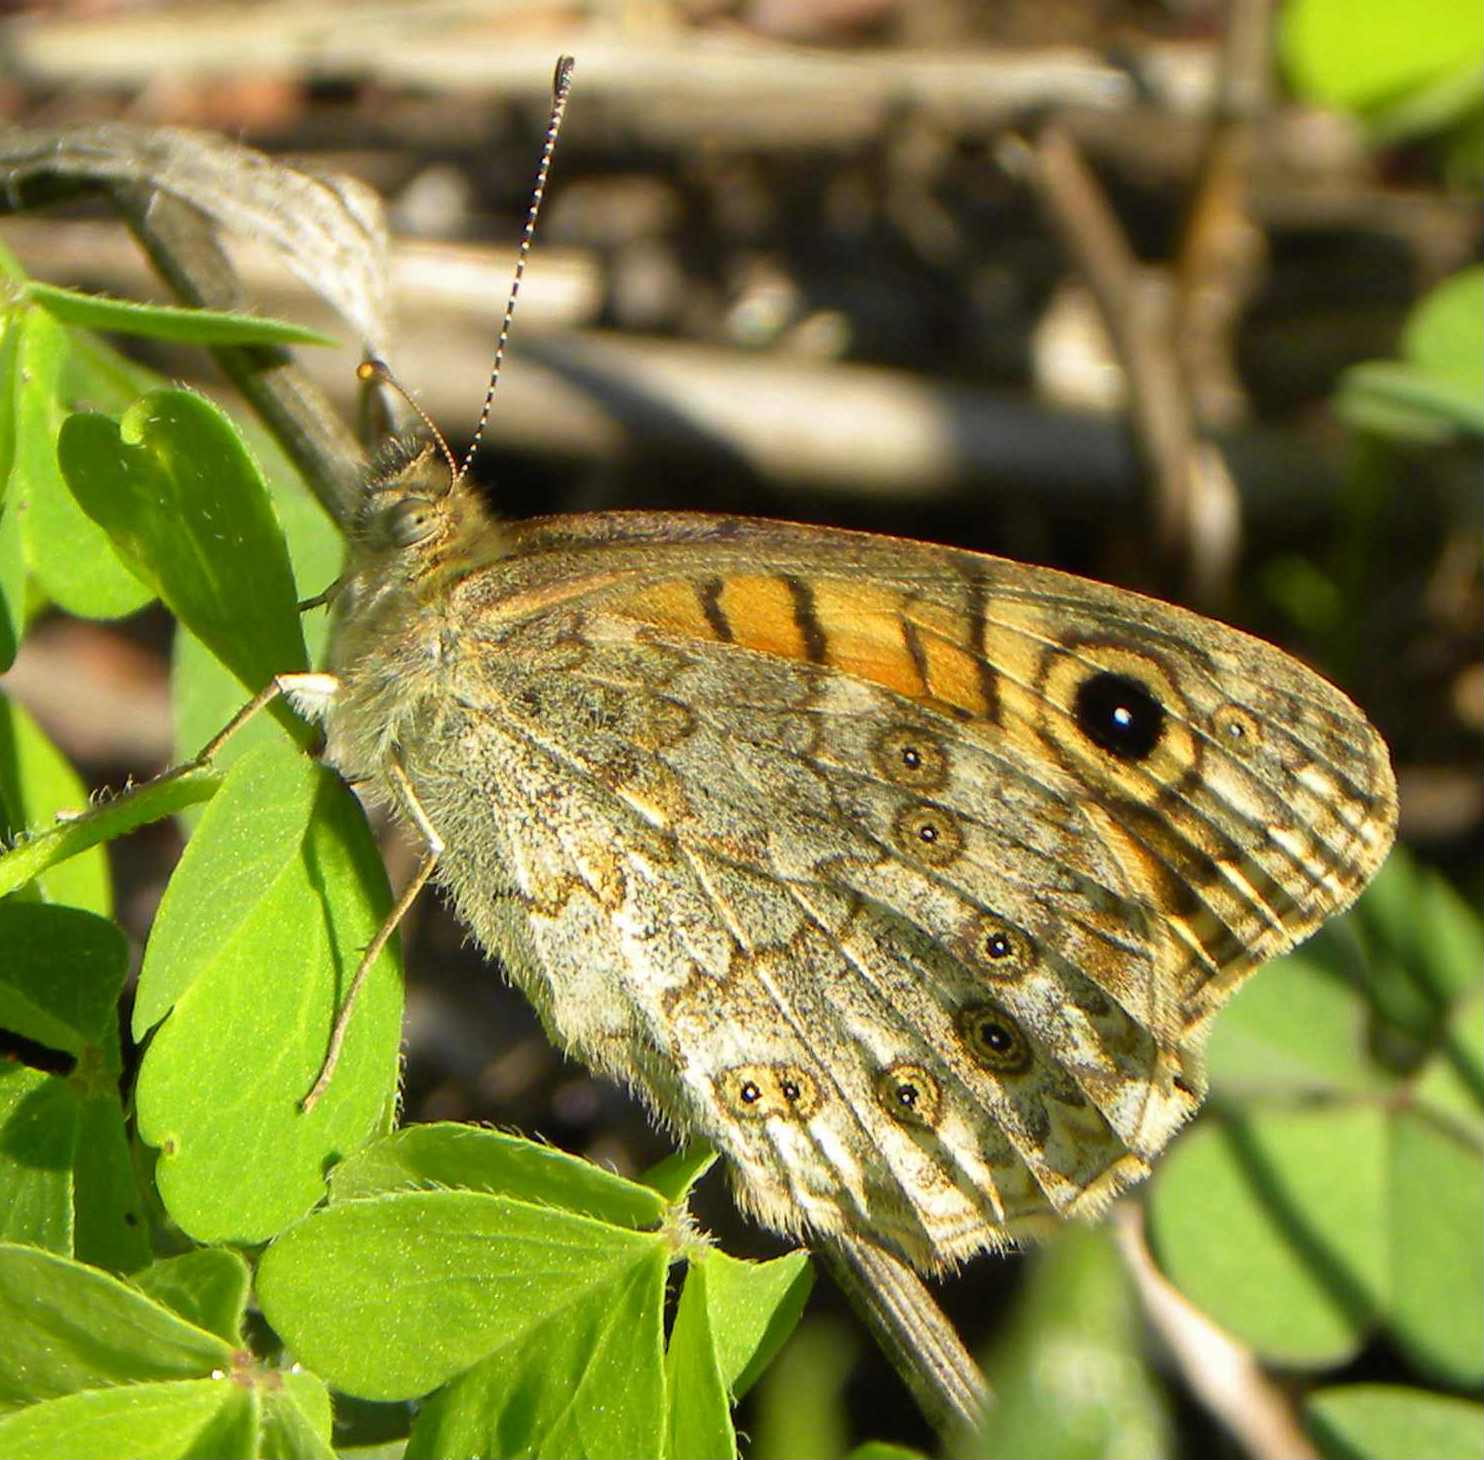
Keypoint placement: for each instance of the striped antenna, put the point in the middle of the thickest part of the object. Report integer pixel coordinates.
(561, 85)
(378, 370)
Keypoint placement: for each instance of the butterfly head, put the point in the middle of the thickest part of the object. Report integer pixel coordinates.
(418, 518)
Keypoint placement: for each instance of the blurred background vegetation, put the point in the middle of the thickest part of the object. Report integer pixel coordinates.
(1182, 295)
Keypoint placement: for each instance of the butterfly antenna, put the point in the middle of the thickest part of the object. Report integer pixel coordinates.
(378, 370)
(561, 85)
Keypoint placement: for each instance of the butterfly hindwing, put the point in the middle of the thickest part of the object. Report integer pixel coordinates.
(907, 876)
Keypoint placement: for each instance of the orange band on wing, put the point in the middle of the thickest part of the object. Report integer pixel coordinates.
(867, 630)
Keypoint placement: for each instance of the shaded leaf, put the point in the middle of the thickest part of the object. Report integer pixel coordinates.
(1275, 1223)
(169, 322)
(36, 787)
(174, 487)
(1390, 1422)
(206, 1286)
(1070, 1377)
(65, 1327)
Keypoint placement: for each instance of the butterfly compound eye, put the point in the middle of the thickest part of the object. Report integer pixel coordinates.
(1119, 715)
(410, 522)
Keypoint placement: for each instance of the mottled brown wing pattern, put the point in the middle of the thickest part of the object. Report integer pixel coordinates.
(911, 878)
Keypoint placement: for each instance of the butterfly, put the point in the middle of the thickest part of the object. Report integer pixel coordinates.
(910, 878)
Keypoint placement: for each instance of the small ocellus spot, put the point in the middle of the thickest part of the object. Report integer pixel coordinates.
(928, 833)
(760, 1091)
(910, 1095)
(999, 948)
(909, 757)
(1236, 728)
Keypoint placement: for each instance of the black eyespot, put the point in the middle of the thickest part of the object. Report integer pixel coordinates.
(995, 1040)
(997, 948)
(766, 1092)
(910, 1095)
(995, 1037)
(1119, 715)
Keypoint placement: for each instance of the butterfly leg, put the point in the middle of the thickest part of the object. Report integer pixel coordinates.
(408, 804)
(308, 693)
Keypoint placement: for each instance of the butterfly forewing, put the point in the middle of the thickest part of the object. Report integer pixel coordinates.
(909, 877)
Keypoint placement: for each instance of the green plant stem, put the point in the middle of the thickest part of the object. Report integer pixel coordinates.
(136, 807)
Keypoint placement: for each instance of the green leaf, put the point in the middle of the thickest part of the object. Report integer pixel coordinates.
(676, 1174)
(1365, 54)
(1451, 1084)
(698, 1419)
(1446, 108)
(252, 832)
(61, 973)
(70, 555)
(587, 1381)
(296, 1420)
(99, 378)
(1437, 1248)
(1390, 1422)
(1437, 388)
(1071, 1381)
(12, 576)
(799, 1410)
(733, 1317)
(38, 1142)
(255, 942)
(458, 1275)
(169, 322)
(36, 787)
(1298, 1027)
(111, 1223)
(202, 1419)
(204, 693)
(1395, 399)
(65, 1327)
(65, 1170)
(1412, 970)
(206, 1286)
(12, 553)
(1445, 332)
(1447, 937)
(1275, 1224)
(175, 488)
(754, 1308)
(468, 1157)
